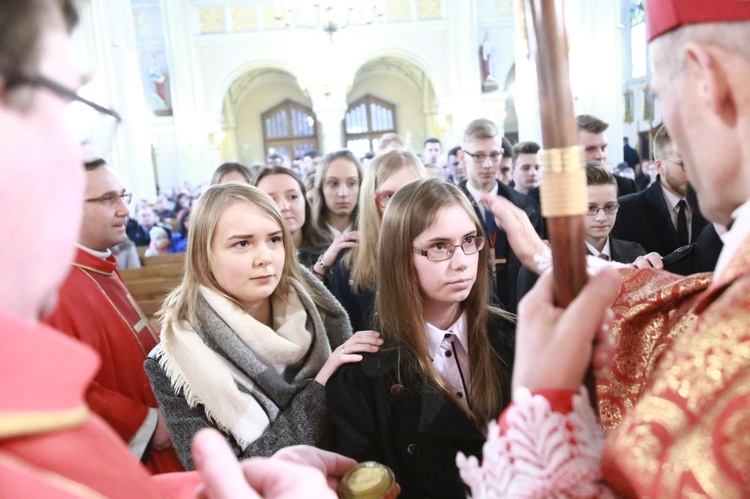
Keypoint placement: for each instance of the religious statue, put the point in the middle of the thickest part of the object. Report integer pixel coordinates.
(159, 90)
(487, 60)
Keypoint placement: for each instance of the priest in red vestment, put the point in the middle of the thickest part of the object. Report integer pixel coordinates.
(96, 308)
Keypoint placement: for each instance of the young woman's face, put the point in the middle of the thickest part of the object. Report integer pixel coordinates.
(448, 282)
(248, 254)
(398, 179)
(285, 191)
(341, 186)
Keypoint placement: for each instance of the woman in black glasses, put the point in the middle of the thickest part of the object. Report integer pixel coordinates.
(444, 371)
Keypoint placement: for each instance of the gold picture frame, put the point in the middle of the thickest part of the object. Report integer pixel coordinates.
(648, 104)
(629, 106)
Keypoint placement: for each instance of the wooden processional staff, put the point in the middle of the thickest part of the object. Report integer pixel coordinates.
(563, 192)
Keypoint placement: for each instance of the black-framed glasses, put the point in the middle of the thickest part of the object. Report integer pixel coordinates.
(61, 90)
(677, 162)
(609, 209)
(480, 157)
(112, 199)
(442, 251)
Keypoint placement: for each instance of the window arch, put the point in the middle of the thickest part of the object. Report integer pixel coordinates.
(289, 129)
(367, 119)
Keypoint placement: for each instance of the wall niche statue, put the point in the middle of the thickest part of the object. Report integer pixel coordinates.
(487, 62)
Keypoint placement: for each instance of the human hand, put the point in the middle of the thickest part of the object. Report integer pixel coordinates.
(224, 477)
(161, 440)
(521, 234)
(652, 260)
(340, 242)
(361, 341)
(333, 465)
(555, 346)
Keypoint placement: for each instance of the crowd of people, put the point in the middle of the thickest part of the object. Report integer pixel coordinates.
(354, 312)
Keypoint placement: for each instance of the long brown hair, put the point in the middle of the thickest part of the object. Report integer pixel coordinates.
(320, 208)
(311, 236)
(398, 301)
(362, 259)
(181, 303)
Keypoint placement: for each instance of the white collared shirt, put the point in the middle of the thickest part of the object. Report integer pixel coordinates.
(605, 251)
(336, 232)
(476, 195)
(449, 350)
(734, 237)
(99, 254)
(672, 200)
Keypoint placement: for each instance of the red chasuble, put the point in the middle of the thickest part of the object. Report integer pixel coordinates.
(652, 309)
(96, 308)
(50, 444)
(689, 432)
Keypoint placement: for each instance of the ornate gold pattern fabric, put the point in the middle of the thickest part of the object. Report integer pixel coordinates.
(690, 431)
(652, 309)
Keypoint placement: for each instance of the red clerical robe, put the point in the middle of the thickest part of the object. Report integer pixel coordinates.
(96, 308)
(689, 433)
(50, 444)
(652, 309)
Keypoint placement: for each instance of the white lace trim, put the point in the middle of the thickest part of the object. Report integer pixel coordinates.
(542, 454)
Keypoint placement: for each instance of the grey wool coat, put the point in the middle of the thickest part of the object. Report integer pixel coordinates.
(297, 410)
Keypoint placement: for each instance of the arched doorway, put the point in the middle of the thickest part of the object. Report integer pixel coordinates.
(266, 91)
(397, 87)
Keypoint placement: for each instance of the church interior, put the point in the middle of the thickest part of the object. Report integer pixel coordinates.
(202, 82)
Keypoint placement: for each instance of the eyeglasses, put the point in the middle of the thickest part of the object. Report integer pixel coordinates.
(111, 199)
(609, 209)
(480, 157)
(676, 161)
(61, 90)
(382, 198)
(88, 121)
(441, 251)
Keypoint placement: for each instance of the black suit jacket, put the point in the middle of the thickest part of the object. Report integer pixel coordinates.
(620, 251)
(630, 156)
(644, 218)
(506, 274)
(701, 256)
(625, 185)
(383, 413)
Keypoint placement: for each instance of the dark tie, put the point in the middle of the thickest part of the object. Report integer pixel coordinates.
(682, 228)
(489, 225)
(603, 256)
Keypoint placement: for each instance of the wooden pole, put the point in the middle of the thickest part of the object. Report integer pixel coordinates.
(548, 46)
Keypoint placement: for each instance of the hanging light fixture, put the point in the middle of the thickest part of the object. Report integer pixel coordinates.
(329, 15)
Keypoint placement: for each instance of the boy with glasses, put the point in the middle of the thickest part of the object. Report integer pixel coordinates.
(665, 216)
(480, 154)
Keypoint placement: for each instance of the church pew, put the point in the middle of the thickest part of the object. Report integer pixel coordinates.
(166, 270)
(150, 261)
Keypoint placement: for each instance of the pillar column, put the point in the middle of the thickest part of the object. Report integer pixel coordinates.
(108, 33)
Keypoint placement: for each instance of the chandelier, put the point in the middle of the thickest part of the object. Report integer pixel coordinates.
(330, 15)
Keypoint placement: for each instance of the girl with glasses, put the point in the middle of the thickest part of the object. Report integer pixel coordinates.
(352, 279)
(444, 370)
(249, 337)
